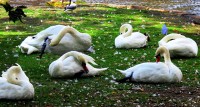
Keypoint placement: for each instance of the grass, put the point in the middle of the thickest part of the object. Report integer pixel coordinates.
(102, 23)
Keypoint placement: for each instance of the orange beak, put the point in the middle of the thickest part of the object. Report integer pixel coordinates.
(158, 58)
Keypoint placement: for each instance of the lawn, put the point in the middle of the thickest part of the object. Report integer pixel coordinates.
(103, 24)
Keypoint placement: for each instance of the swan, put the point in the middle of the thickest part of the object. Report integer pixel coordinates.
(179, 45)
(128, 39)
(71, 6)
(15, 85)
(154, 72)
(57, 39)
(73, 64)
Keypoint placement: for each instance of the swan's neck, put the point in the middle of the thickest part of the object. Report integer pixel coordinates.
(64, 56)
(124, 32)
(172, 36)
(166, 55)
(42, 36)
(62, 33)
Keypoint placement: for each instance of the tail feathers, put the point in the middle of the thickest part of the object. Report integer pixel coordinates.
(123, 72)
(91, 49)
(95, 71)
(101, 69)
(4, 74)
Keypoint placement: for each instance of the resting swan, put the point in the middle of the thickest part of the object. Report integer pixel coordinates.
(57, 39)
(15, 85)
(128, 39)
(154, 72)
(71, 6)
(179, 45)
(74, 64)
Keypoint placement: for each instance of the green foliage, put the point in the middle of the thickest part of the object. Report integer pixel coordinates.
(103, 24)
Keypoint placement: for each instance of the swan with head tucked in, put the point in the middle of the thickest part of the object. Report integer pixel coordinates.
(179, 45)
(15, 85)
(154, 72)
(128, 39)
(74, 64)
(57, 39)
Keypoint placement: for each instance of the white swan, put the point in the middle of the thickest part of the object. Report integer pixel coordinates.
(15, 85)
(71, 6)
(179, 45)
(64, 38)
(129, 39)
(74, 64)
(154, 72)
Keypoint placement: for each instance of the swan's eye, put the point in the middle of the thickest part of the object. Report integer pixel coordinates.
(16, 78)
(120, 33)
(33, 37)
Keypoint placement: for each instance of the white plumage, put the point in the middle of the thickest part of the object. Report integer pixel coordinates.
(129, 39)
(71, 63)
(15, 85)
(71, 7)
(154, 72)
(179, 45)
(61, 39)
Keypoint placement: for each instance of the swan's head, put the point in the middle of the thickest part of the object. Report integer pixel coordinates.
(80, 58)
(25, 48)
(124, 28)
(158, 57)
(160, 51)
(16, 74)
(33, 43)
(38, 40)
(83, 62)
(29, 45)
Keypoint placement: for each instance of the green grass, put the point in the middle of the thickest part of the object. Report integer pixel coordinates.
(103, 24)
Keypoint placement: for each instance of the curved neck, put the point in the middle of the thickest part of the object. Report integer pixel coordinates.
(62, 33)
(64, 56)
(123, 29)
(169, 37)
(41, 37)
(75, 54)
(166, 55)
